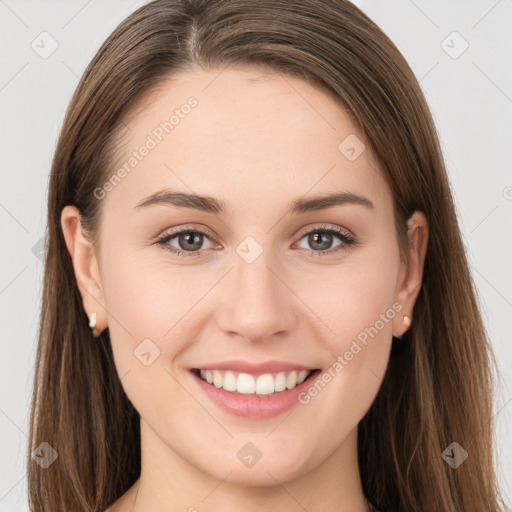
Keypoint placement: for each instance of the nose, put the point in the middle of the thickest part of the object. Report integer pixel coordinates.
(256, 301)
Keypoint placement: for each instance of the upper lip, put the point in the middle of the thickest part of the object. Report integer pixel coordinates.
(254, 368)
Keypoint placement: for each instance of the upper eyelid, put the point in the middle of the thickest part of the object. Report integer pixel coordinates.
(339, 231)
(185, 229)
(326, 227)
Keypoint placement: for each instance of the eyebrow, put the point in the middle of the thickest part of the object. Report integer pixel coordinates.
(212, 205)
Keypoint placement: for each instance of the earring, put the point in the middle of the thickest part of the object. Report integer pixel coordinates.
(92, 323)
(407, 323)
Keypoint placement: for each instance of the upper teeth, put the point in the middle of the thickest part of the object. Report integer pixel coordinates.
(248, 384)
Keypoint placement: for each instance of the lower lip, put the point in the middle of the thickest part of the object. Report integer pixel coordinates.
(255, 406)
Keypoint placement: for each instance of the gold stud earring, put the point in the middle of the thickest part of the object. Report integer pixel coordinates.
(407, 321)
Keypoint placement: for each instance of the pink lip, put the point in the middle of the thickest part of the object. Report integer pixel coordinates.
(255, 369)
(254, 406)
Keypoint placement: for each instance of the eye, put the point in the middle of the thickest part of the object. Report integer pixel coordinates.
(321, 238)
(190, 241)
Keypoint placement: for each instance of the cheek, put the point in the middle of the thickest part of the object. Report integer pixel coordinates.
(145, 295)
(144, 305)
(354, 308)
(149, 328)
(352, 300)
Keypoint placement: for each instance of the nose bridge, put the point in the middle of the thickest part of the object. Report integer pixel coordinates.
(256, 303)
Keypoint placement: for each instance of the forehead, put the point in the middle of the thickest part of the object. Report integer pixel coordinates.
(242, 135)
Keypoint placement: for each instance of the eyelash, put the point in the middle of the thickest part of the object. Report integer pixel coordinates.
(348, 240)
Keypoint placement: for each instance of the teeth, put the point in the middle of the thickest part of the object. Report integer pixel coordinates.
(217, 379)
(291, 380)
(229, 383)
(301, 377)
(245, 384)
(265, 384)
(280, 382)
(248, 384)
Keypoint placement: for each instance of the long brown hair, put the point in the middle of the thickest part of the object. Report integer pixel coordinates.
(438, 388)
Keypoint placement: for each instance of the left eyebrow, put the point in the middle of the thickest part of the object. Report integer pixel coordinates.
(211, 205)
(328, 201)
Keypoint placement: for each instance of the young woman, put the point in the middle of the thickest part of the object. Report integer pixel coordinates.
(256, 294)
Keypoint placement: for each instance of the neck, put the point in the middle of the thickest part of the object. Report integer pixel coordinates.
(169, 481)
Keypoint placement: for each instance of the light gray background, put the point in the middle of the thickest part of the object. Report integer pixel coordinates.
(470, 97)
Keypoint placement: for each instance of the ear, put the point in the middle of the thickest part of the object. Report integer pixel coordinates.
(85, 265)
(410, 280)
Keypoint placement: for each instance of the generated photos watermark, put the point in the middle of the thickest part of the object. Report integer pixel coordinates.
(151, 142)
(355, 348)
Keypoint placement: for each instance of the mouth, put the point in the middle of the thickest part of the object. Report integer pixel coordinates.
(259, 385)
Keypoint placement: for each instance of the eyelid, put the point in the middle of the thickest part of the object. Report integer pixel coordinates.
(325, 227)
(347, 238)
(203, 229)
(199, 228)
(163, 240)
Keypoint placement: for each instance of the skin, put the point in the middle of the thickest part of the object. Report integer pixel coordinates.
(256, 141)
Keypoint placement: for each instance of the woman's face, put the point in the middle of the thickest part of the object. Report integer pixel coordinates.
(257, 280)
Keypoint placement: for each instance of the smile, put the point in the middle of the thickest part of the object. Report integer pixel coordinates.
(253, 395)
(248, 384)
